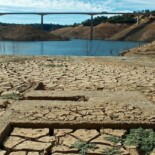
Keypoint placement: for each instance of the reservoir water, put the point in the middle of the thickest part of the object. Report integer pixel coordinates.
(67, 48)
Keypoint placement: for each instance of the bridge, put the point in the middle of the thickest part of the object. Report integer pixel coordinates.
(91, 14)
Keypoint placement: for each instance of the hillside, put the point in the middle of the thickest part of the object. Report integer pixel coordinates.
(72, 32)
(143, 32)
(25, 33)
(147, 33)
(101, 31)
(145, 50)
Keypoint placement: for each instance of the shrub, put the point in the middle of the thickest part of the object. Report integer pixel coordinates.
(83, 147)
(112, 151)
(114, 139)
(142, 138)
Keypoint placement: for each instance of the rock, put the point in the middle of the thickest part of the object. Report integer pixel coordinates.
(114, 132)
(40, 86)
(85, 135)
(30, 133)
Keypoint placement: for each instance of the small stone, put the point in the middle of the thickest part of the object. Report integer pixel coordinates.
(40, 86)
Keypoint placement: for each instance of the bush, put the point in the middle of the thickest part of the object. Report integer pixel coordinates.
(142, 138)
(83, 147)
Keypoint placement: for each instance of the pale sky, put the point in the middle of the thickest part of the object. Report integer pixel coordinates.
(69, 6)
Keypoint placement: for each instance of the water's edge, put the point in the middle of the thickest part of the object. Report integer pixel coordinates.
(74, 47)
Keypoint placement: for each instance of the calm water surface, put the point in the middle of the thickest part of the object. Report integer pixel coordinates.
(67, 48)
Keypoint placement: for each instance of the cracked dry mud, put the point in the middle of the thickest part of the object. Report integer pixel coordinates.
(127, 87)
(39, 141)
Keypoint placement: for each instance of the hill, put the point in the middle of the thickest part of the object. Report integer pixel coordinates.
(145, 50)
(25, 33)
(101, 31)
(143, 32)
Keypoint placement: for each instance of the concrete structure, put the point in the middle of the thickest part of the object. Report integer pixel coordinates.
(92, 14)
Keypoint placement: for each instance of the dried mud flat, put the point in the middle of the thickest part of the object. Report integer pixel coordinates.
(50, 105)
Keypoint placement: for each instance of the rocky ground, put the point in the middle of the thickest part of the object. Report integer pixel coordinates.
(20, 75)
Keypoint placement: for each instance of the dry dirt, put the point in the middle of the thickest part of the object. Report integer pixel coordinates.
(40, 142)
(102, 31)
(74, 93)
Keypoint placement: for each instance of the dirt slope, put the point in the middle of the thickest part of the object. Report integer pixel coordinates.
(143, 32)
(145, 50)
(25, 33)
(102, 31)
(147, 33)
(72, 32)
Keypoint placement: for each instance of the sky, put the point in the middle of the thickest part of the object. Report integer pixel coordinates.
(67, 6)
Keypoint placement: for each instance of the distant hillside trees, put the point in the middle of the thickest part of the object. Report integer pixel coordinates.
(129, 19)
(96, 21)
(47, 27)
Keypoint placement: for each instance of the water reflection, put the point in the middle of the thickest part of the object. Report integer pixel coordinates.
(68, 48)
